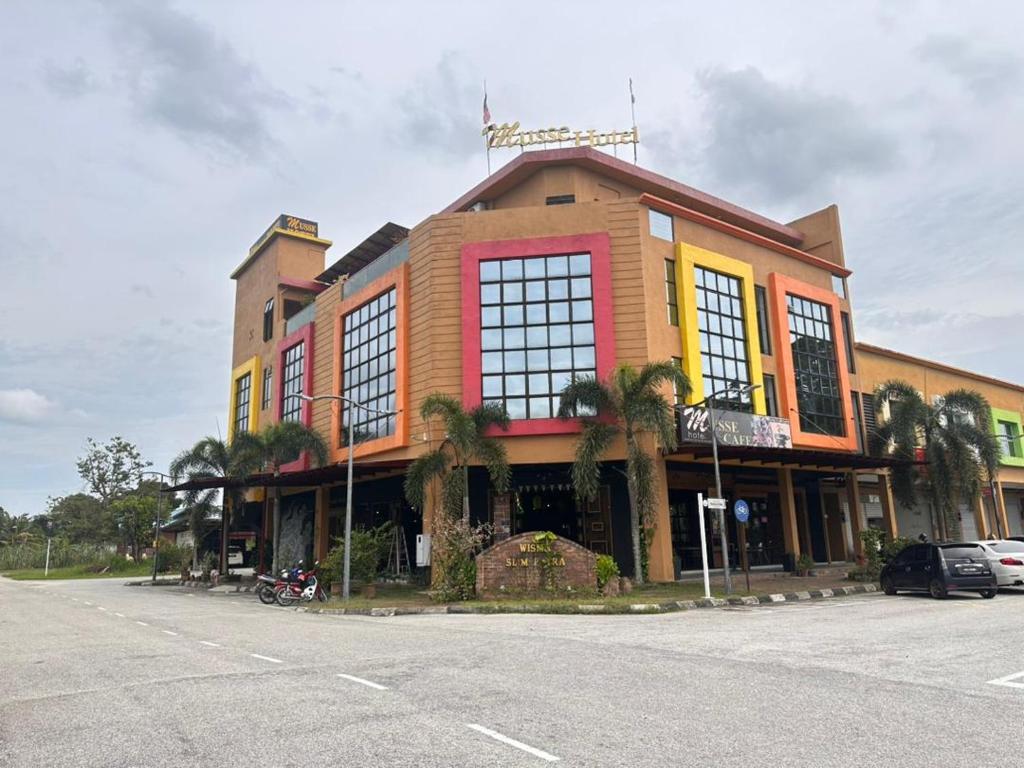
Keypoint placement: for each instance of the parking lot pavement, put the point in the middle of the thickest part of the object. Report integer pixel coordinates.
(106, 675)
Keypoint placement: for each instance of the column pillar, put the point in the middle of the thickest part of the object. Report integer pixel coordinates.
(321, 523)
(888, 505)
(980, 518)
(1000, 502)
(659, 564)
(790, 530)
(857, 520)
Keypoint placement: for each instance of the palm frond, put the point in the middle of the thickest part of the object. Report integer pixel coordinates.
(489, 415)
(495, 458)
(586, 469)
(656, 373)
(648, 410)
(586, 395)
(421, 472)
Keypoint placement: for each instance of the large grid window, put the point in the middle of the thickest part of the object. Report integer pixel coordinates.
(723, 337)
(671, 297)
(243, 391)
(814, 362)
(291, 382)
(1009, 442)
(537, 331)
(370, 361)
(268, 381)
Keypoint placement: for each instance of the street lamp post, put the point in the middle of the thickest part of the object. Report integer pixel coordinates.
(156, 530)
(710, 401)
(346, 581)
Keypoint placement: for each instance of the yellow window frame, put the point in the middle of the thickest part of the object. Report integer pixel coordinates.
(252, 367)
(688, 258)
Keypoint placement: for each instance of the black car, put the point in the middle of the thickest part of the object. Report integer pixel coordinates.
(939, 569)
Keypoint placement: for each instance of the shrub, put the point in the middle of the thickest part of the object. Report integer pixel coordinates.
(454, 570)
(207, 564)
(894, 547)
(607, 569)
(804, 563)
(369, 548)
(171, 557)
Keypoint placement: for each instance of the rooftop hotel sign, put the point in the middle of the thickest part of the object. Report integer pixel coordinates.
(734, 428)
(511, 135)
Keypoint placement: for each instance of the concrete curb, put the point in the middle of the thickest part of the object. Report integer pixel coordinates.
(673, 606)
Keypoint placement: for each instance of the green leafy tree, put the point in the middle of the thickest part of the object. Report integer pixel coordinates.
(18, 530)
(82, 519)
(955, 436)
(111, 469)
(629, 404)
(279, 444)
(465, 441)
(135, 517)
(213, 459)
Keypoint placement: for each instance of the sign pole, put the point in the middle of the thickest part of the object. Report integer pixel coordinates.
(703, 546)
(743, 553)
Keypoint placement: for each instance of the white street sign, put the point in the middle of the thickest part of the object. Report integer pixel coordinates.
(714, 503)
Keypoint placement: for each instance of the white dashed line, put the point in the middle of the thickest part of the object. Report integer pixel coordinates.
(87, 602)
(168, 632)
(513, 743)
(119, 615)
(367, 683)
(266, 658)
(212, 645)
(1015, 680)
(100, 608)
(142, 623)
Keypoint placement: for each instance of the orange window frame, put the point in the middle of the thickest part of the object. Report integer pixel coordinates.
(779, 286)
(398, 278)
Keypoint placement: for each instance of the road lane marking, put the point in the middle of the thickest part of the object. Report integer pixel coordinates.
(1015, 680)
(100, 608)
(513, 743)
(168, 632)
(87, 602)
(142, 623)
(367, 683)
(207, 642)
(266, 658)
(119, 615)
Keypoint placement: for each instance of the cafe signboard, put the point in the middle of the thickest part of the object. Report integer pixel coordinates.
(734, 428)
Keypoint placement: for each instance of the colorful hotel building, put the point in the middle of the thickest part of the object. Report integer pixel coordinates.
(568, 262)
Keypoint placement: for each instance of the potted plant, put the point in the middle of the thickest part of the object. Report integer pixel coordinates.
(804, 564)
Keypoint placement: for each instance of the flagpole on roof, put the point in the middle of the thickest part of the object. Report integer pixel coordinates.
(487, 122)
(632, 112)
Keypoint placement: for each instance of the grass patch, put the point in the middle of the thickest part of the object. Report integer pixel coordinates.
(79, 572)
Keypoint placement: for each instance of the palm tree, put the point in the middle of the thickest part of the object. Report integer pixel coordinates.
(279, 444)
(465, 441)
(956, 441)
(212, 458)
(198, 515)
(630, 404)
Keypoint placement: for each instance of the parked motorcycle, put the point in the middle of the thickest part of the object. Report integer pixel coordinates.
(267, 584)
(304, 588)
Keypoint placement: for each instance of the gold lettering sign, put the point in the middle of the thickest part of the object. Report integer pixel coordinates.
(510, 135)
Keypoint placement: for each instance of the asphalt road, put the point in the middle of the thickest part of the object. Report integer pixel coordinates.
(93, 673)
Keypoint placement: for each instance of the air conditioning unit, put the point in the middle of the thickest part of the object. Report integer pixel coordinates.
(422, 550)
(478, 206)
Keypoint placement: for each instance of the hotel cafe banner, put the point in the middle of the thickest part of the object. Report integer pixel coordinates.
(734, 428)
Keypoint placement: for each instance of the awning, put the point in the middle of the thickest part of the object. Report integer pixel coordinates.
(361, 470)
(784, 458)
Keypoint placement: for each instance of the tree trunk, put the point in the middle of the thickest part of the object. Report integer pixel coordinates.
(465, 494)
(634, 518)
(276, 533)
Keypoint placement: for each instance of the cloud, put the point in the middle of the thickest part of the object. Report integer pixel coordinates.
(25, 406)
(68, 82)
(986, 74)
(143, 290)
(183, 77)
(777, 142)
(441, 111)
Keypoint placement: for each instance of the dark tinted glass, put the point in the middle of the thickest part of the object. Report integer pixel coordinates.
(369, 345)
(957, 551)
(814, 362)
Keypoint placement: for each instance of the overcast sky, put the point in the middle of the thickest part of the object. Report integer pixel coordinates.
(145, 145)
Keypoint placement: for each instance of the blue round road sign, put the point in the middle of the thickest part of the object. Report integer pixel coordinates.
(741, 510)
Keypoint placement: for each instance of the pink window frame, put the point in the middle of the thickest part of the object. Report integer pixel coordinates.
(598, 245)
(302, 336)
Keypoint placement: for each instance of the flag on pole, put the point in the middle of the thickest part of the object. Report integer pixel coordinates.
(487, 111)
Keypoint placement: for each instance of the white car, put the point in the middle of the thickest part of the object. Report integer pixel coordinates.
(1006, 558)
